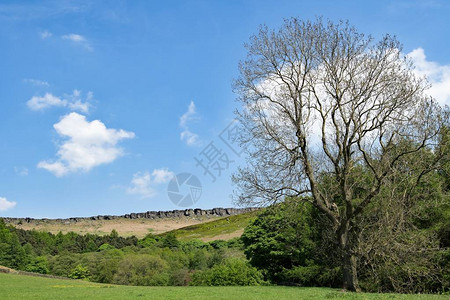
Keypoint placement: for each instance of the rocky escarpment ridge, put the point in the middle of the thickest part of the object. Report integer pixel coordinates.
(197, 212)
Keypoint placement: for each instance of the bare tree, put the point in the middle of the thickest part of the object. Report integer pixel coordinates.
(322, 101)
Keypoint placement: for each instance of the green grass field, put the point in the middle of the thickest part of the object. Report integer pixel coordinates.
(223, 228)
(13, 286)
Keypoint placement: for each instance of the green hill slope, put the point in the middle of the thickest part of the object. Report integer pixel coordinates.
(222, 229)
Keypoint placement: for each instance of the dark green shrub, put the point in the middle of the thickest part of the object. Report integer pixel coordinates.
(232, 272)
(142, 269)
(170, 241)
(310, 276)
(287, 243)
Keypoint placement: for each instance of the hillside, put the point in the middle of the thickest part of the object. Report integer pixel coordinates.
(222, 229)
(140, 224)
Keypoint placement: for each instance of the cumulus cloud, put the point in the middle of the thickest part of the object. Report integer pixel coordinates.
(86, 145)
(5, 204)
(78, 39)
(186, 135)
(438, 75)
(45, 34)
(162, 175)
(36, 82)
(72, 101)
(140, 185)
(143, 183)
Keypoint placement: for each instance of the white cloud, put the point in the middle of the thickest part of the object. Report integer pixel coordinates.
(36, 82)
(162, 175)
(140, 185)
(5, 204)
(78, 39)
(74, 37)
(190, 138)
(87, 145)
(190, 115)
(21, 171)
(73, 101)
(48, 100)
(143, 183)
(186, 135)
(45, 34)
(438, 75)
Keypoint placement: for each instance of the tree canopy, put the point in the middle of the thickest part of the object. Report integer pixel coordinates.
(321, 100)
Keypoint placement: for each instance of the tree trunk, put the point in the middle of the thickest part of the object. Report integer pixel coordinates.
(350, 274)
(348, 260)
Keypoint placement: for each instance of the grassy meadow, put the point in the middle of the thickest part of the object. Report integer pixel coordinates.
(14, 286)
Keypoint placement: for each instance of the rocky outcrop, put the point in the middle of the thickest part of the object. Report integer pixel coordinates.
(215, 212)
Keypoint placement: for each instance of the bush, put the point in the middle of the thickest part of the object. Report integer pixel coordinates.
(105, 246)
(62, 265)
(313, 275)
(170, 241)
(232, 272)
(37, 264)
(149, 240)
(287, 243)
(180, 277)
(142, 269)
(80, 272)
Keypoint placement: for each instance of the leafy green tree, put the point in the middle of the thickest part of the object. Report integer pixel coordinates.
(105, 246)
(170, 241)
(321, 98)
(38, 264)
(232, 272)
(12, 253)
(80, 272)
(291, 235)
(142, 270)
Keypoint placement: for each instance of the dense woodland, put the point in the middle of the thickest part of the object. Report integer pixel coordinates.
(153, 260)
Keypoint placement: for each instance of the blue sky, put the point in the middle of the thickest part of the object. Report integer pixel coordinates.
(102, 102)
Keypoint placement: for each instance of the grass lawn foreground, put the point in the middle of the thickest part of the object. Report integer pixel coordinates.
(13, 286)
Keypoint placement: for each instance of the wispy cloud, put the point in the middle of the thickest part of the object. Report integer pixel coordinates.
(46, 101)
(79, 40)
(143, 183)
(74, 38)
(22, 171)
(5, 204)
(187, 135)
(87, 145)
(36, 82)
(18, 10)
(438, 75)
(45, 34)
(72, 101)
